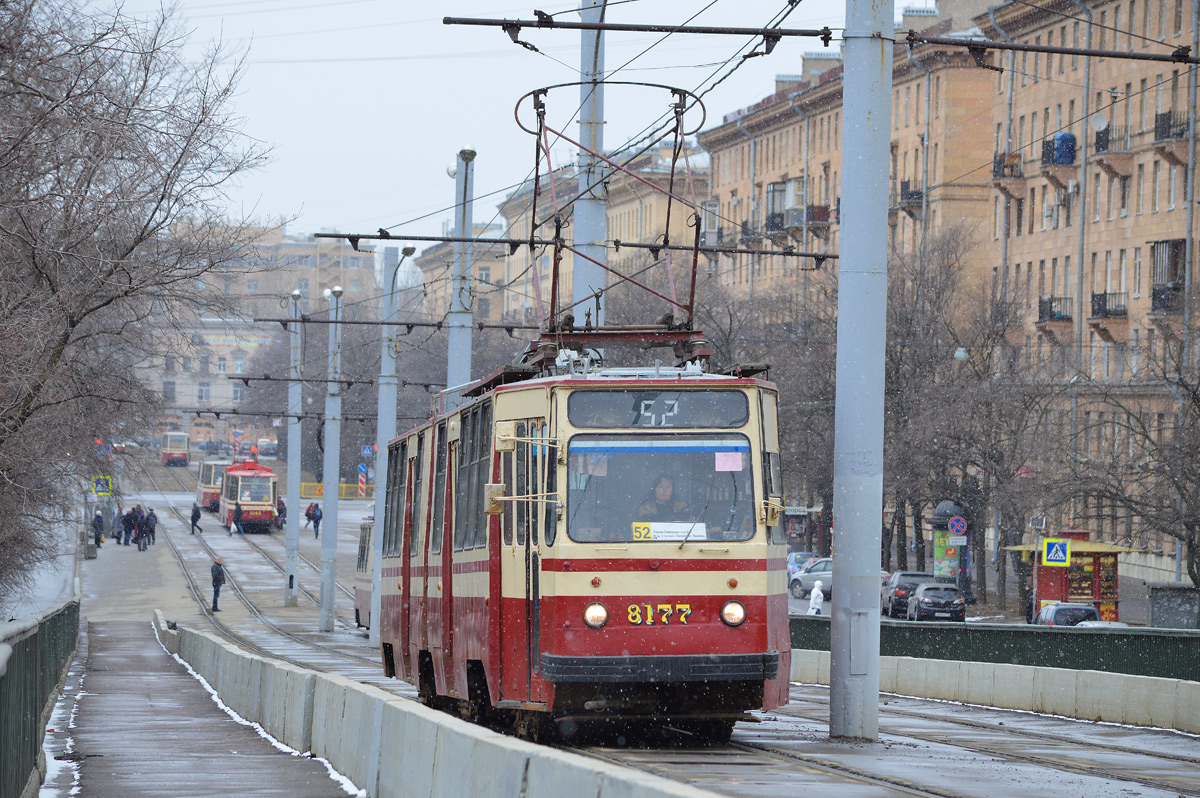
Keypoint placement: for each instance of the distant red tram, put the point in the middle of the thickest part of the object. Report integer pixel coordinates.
(255, 487)
(602, 546)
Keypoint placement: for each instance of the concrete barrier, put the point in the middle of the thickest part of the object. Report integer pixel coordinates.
(1088, 695)
(391, 746)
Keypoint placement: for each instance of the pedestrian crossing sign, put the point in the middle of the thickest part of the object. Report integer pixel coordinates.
(102, 486)
(1057, 552)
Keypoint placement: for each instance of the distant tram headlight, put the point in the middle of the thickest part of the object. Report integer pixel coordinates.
(595, 615)
(733, 613)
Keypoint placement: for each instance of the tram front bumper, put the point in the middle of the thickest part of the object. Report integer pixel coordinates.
(672, 668)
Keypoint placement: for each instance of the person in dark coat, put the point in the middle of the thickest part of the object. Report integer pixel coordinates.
(141, 532)
(237, 518)
(128, 522)
(152, 526)
(196, 518)
(98, 527)
(281, 513)
(317, 515)
(218, 579)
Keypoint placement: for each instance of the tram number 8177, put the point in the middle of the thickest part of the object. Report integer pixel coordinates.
(665, 611)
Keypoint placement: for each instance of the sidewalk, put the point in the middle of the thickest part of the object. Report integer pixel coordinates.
(132, 721)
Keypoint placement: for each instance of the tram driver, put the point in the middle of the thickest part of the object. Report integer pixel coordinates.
(661, 504)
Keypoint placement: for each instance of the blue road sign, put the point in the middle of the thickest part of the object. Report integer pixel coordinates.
(958, 525)
(367, 451)
(1056, 552)
(362, 468)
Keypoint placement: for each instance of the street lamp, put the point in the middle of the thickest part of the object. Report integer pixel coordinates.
(332, 461)
(385, 430)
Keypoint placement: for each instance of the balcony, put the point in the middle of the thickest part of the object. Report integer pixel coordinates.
(1054, 316)
(1109, 313)
(813, 217)
(1166, 298)
(749, 236)
(1008, 175)
(1170, 138)
(774, 222)
(1113, 151)
(1058, 160)
(712, 238)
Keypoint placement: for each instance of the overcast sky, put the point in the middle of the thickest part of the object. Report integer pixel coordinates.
(365, 103)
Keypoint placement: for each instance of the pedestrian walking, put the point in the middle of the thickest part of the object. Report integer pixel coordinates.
(152, 526)
(141, 532)
(280, 513)
(218, 579)
(317, 515)
(816, 599)
(308, 513)
(237, 519)
(196, 518)
(98, 527)
(128, 521)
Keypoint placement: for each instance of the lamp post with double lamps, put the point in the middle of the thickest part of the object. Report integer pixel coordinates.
(332, 462)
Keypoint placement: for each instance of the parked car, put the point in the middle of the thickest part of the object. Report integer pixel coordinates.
(1103, 624)
(118, 447)
(936, 601)
(897, 589)
(797, 560)
(1066, 614)
(801, 584)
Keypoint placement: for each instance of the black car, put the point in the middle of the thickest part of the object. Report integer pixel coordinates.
(938, 602)
(897, 589)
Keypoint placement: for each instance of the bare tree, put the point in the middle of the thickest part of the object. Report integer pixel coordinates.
(114, 152)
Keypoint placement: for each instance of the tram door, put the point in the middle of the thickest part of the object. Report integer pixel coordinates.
(437, 575)
(525, 480)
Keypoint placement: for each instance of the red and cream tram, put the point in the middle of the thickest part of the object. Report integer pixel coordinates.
(599, 545)
(254, 486)
(174, 448)
(208, 483)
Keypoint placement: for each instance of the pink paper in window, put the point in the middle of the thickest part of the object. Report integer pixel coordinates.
(729, 461)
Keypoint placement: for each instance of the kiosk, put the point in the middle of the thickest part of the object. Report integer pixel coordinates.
(1086, 575)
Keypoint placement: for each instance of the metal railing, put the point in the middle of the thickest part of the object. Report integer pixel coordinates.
(1109, 305)
(34, 654)
(1166, 298)
(1113, 139)
(1164, 653)
(1168, 128)
(346, 490)
(1054, 308)
(910, 192)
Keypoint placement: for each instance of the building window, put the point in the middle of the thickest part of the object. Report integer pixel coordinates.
(221, 367)
(168, 392)
(1141, 186)
(187, 364)
(239, 365)
(239, 392)
(485, 275)
(1124, 193)
(1154, 174)
(1137, 271)
(203, 361)
(1171, 187)
(203, 392)
(302, 287)
(169, 365)
(252, 285)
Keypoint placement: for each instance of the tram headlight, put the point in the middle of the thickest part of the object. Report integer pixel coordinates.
(595, 615)
(733, 613)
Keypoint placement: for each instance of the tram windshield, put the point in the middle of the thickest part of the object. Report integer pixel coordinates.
(175, 440)
(254, 489)
(642, 488)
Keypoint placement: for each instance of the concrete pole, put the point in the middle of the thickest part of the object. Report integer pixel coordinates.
(333, 443)
(591, 222)
(858, 414)
(292, 522)
(458, 352)
(385, 430)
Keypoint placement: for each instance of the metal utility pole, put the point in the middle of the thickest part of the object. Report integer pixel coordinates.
(458, 353)
(292, 522)
(591, 222)
(385, 429)
(332, 463)
(858, 413)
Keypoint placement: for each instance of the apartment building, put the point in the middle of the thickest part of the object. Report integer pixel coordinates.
(777, 163)
(1090, 206)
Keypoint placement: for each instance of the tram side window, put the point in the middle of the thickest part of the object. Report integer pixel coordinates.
(394, 500)
(549, 486)
(231, 488)
(463, 515)
(537, 461)
(506, 476)
(439, 491)
(414, 507)
(520, 484)
(482, 472)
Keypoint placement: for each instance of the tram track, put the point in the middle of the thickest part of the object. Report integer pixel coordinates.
(223, 628)
(1061, 754)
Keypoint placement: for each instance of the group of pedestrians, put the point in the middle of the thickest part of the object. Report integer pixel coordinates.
(314, 515)
(137, 527)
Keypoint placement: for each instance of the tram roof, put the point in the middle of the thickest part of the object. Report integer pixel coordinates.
(251, 468)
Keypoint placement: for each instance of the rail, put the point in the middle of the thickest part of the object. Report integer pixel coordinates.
(34, 654)
(1163, 653)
